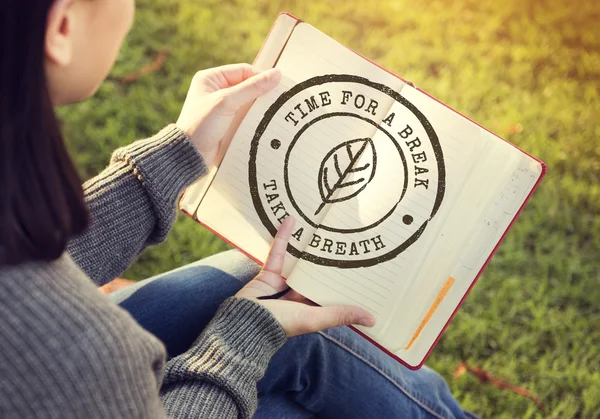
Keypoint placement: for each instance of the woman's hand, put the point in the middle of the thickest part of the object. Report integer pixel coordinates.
(296, 314)
(215, 96)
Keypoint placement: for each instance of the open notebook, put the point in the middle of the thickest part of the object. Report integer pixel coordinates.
(399, 201)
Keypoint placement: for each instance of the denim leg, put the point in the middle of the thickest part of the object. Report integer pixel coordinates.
(333, 374)
(338, 374)
(280, 406)
(177, 305)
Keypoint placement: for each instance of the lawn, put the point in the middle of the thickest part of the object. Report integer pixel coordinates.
(528, 70)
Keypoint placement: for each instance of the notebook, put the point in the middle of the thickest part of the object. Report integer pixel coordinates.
(399, 200)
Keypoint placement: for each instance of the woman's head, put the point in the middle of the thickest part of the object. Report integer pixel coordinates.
(51, 52)
(81, 44)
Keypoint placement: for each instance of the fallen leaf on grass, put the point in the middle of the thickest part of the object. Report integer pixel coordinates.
(115, 285)
(460, 370)
(514, 129)
(485, 377)
(155, 65)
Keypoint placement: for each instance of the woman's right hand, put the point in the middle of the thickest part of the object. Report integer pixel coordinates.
(214, 97)
(296, 314)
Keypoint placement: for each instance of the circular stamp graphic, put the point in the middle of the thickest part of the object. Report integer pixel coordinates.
(358, 166)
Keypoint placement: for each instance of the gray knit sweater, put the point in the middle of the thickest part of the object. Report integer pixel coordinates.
(66, 351)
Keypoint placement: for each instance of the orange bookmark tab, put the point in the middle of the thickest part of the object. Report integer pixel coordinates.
(432, 310)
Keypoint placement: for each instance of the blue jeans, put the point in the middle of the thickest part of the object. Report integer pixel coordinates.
(331, 374)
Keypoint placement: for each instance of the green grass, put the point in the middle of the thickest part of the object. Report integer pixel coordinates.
(532, 319)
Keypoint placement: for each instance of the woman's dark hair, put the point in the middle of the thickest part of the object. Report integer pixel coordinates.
(41, 198)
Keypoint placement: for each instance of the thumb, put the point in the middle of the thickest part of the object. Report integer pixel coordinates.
(251, 88)
(333, 316)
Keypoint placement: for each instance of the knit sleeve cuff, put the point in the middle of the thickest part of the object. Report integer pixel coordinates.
(164, 165)
(248, 329)
(232, 353)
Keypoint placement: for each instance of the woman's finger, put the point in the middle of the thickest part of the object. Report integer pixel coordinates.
(228, 75)
(276, 258)
(294, 296)
(298, 298)
(251, 88)
(321, 318)
(237, 73)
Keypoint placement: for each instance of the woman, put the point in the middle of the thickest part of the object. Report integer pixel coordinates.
(66, 351)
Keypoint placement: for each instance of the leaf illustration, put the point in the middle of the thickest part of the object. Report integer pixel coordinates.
(341, 176)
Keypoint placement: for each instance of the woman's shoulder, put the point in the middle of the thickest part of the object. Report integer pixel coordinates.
(57, 299)
(63, 342)
(52, 310)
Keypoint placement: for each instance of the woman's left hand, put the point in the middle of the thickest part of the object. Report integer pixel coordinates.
(296, 314)
(213, 99)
